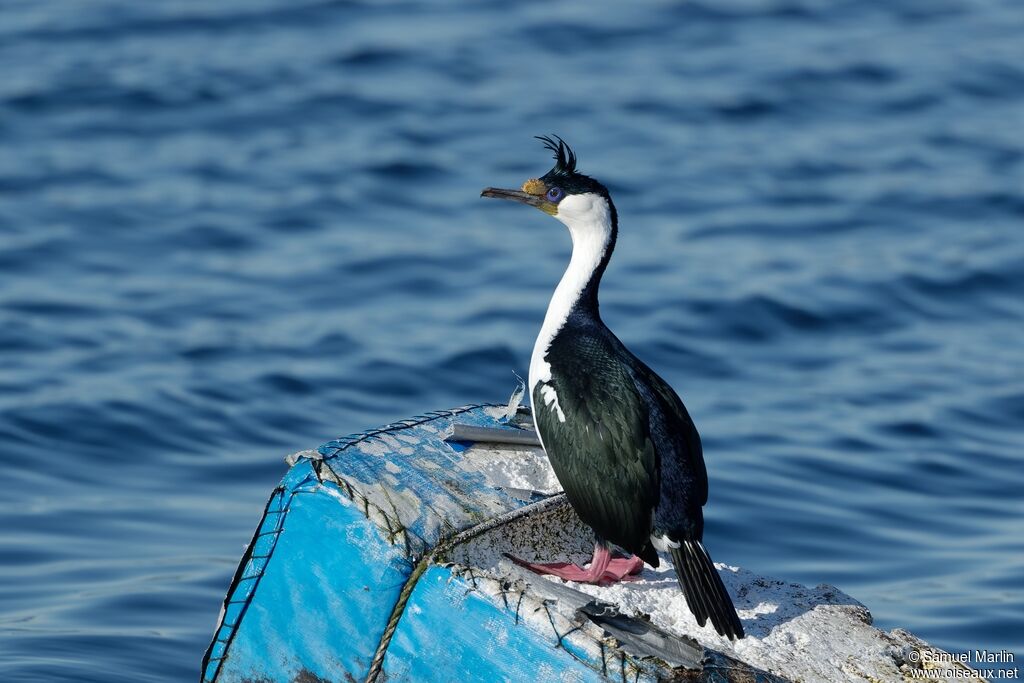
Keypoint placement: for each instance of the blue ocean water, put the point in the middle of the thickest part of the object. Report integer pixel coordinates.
(233, 230)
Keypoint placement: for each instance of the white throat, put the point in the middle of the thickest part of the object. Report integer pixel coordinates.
(590, 224)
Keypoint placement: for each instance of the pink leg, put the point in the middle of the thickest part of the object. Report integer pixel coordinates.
(603, 567)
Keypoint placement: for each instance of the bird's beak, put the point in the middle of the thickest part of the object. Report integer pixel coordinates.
(514, 195)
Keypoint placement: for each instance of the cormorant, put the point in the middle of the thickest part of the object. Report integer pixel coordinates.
(618, 437)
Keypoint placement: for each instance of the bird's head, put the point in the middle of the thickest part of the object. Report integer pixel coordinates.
(577, 200)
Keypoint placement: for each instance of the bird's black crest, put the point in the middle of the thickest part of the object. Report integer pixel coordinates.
(564, 173)
(565, 158)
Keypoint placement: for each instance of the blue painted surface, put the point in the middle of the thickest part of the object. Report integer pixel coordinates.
(322, 599)
(453, 633)
(232, 230)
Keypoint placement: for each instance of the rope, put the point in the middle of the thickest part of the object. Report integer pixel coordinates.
(359, 437)
(396, 616)
(439, 551)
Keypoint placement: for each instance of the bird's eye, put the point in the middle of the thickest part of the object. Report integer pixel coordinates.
(554, 194)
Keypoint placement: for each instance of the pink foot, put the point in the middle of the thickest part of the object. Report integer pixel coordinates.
(623, 569)
(603, 568)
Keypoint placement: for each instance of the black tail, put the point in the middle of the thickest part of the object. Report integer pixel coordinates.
(704, 591)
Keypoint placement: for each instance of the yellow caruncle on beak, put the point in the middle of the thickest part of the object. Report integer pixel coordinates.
(535, 187)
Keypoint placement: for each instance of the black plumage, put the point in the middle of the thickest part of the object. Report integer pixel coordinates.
(629, 458)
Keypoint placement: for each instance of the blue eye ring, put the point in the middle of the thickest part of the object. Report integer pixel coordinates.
(554, 194)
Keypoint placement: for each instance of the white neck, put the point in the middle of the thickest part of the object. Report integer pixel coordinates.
(589, 221)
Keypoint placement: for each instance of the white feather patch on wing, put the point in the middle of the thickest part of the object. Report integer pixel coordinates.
(547, 392)
(663, 543)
